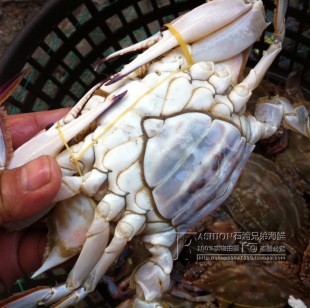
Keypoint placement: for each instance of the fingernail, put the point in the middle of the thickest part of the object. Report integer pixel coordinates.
(35, 174)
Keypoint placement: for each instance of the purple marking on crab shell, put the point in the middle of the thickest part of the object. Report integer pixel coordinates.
(245, 149)
(117, 98)
(4, 89)
(198, 170)
(100, 63)
(117, 77)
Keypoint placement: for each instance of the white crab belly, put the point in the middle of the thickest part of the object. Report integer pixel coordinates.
(191, 166)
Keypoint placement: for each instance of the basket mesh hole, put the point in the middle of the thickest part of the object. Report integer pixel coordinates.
(145, 6)
(40, 105)
(154, 26)
(254, 55)
(97, 35)
(269, 37)
(20, 93)
(270, 15)
(306, 30)
(33, 75)
(40, 56)
(81, 14)
(168, 19)
(130, 13)
(39, 277)
(59, 271)
(298, 4)
(60, 74)
(53, 41)
(87, 76)
(66, 27)
(109, 51)
(50, 88)
(114, 23)
(140, 34)
(101, 4)
(125, 42)
(161, 3)
(284, 62)
(11, 109)
(77, 89)
(67, 102)
(292, 24)
(288, 44)
(71, 59)
(83, 47)
(303, 51)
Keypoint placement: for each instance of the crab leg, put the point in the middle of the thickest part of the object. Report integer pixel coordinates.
(5, 137)
(192, 26)
(268, 116)
(50, 143)
(110, 208)
(242, 92)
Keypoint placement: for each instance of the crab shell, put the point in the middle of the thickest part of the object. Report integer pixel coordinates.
(172, 149)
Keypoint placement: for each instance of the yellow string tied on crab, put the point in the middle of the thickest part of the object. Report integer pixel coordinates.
(129, 108)
(181, 42)
(190, 62)
(75, 160)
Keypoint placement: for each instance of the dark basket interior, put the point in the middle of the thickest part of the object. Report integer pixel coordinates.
(66, 40)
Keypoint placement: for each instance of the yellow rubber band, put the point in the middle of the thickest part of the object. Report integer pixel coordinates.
(190, 62)
(92, 203)
(68, 148)
(129, 108)
(179, 38)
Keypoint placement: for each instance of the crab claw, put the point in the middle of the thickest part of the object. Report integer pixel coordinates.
(5, 136)
(192, 26)
(49, 142)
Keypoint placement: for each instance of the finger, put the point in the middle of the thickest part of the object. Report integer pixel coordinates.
(21, 253)
(25, 126)
(16, 258)
(12, 260)
(27, 190)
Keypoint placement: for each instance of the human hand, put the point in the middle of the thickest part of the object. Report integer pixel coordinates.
(25, 191)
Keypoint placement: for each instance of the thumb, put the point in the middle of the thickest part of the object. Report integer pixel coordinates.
(27, 190)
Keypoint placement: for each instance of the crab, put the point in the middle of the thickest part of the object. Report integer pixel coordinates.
(280, 208)
(264, 200)
(246, 283)
(169, 142)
